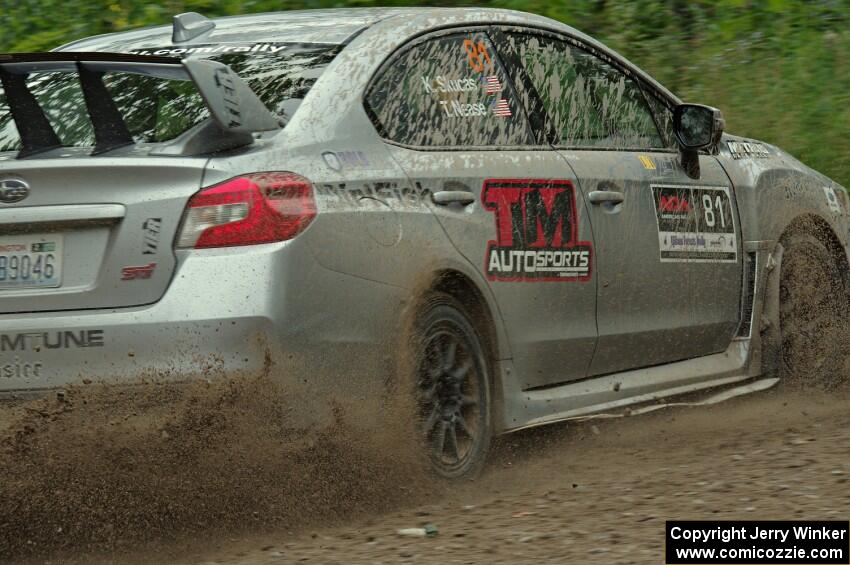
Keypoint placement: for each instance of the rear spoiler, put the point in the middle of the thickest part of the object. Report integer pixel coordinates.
(236, 111)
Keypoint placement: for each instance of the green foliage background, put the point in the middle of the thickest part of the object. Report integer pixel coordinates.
(779, 69)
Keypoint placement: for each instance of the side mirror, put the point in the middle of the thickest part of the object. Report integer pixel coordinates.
(696, 127)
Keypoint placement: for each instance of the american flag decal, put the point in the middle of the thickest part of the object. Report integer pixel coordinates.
(501, 108)
(492, 84)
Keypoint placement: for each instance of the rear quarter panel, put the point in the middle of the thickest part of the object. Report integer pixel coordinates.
(373, 223)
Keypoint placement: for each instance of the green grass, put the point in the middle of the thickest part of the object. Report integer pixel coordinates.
(796, 96)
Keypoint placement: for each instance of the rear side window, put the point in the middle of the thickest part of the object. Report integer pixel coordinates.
(591, 103)
(448, 91)
(156, 109)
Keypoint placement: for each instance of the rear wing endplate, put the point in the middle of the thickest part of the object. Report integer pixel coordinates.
(235, 109)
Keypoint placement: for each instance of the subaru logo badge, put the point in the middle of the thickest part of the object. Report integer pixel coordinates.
(13, 190)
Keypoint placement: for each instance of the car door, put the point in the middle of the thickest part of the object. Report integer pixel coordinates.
(667, 247)
(511, 207)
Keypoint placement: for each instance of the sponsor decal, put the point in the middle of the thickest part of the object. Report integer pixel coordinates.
(36, 341)
(477, 55)
(227, 87)
(209, 49)
(332, 161)
(136, 273)
(492, 84)
(150, 240)
(340, 160)
(647, 162)
(501, 108)
(832, 199)
(536, 232)
(363, 194)
(666, 166)
(13, 190)
(741, 149)
(18, 369)
(794, 188)
(695, 223)
(675, 206)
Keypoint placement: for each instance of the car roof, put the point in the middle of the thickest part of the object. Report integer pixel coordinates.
(333, 26)
(336, 26)
(308, 26)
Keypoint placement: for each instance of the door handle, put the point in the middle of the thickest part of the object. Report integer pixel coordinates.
(602, 196)
(446, 197)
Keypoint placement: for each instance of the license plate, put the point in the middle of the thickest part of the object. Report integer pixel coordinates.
(30, 261)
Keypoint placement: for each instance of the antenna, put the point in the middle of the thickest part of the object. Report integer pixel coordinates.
(189, 26)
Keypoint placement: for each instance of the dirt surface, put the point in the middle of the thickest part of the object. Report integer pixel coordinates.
(597, 492)
(103, 469)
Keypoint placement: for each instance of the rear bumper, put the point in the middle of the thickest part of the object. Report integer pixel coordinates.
(227, 312)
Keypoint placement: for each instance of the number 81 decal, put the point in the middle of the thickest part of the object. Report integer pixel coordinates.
(479, 58)
(695, 223)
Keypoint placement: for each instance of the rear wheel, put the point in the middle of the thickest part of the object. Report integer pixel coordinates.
(813, 313)
(452, 388)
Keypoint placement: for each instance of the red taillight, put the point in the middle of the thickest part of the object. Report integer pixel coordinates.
(251, 209)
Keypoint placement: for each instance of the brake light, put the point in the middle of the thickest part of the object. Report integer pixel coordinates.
(247, 210)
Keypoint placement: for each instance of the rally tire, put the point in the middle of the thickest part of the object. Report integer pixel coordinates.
(452, 389)
(812, 313)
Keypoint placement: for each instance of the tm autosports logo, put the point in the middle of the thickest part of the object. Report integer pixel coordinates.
(536, 232)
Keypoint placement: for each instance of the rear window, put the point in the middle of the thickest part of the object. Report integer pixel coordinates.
(157, 109)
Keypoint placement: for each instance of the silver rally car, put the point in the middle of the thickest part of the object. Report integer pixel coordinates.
(549, 231)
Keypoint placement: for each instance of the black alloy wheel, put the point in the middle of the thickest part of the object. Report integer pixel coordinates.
(453, 395)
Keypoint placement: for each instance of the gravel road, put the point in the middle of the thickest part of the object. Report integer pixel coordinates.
(596, 492)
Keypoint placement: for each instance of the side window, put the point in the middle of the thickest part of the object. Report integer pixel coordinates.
(592, 103)
(664, 119)
(446, 92)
